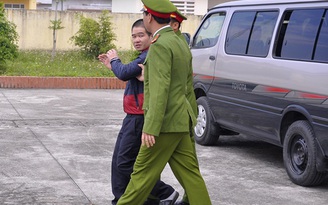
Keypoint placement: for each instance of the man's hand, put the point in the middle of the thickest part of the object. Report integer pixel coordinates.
(141, 77)
(105, 60)
(147, 139)
(112, 54)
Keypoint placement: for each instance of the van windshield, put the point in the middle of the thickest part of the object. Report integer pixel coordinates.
(209, 31)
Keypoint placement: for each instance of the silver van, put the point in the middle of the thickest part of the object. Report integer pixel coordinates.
(261, 69)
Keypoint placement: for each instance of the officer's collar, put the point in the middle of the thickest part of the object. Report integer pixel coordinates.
(161, 29)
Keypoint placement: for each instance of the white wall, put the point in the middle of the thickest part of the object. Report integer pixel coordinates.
(134, 6)
(33, 31)
(126, 6)
(212, 3)
(82, 4)
(201, 7)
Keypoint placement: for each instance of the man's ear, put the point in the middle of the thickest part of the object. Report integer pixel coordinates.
(176, 25)
(150, 18)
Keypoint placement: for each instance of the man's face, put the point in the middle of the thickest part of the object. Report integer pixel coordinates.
(140, 38)
(146, 19)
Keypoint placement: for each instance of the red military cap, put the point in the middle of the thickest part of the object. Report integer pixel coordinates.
(178, 16)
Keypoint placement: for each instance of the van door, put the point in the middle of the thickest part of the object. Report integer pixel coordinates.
(204, 48)
(240, 69)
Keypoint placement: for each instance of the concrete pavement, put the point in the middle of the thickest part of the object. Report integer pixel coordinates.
(56, 145)
(56, 148)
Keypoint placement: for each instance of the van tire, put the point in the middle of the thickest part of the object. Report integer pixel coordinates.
(206, 130)
(299, 154)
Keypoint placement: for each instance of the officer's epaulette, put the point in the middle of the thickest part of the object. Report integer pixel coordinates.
(155, 38)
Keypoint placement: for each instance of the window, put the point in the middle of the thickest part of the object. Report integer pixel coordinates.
(321, 52)
(250, 33)
(303, 35)
(262, 33)
(209, 32)
(14, 6)
(185, 6)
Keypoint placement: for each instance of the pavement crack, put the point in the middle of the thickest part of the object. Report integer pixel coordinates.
(12, 105)
(43, 145)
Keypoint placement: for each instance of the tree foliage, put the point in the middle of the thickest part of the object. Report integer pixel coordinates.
(95, 37)
(8, 38)
(55, 25)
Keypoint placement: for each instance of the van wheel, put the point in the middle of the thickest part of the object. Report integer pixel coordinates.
(206, 132)
(299, 153)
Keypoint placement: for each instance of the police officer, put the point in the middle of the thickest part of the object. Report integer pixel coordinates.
(129, 139)
(176, 19)
(169, 113)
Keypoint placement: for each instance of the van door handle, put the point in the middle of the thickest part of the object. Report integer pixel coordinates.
(212, 58)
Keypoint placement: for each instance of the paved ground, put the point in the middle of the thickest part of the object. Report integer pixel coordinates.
(56, 147)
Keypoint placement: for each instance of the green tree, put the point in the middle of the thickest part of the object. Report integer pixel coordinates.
(55, 25)
(95, 37)
(8, 39)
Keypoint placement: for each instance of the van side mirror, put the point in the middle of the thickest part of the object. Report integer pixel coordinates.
(187, 37)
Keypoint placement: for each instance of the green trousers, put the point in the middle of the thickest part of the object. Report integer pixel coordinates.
(177, 150)
(192, 138)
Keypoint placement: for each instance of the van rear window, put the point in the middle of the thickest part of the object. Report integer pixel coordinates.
(303, 35)
(321, 51)
(250, 32)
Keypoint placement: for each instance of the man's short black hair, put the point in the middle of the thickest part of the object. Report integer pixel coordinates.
(162, 20)
(173, 20)
(140, 23)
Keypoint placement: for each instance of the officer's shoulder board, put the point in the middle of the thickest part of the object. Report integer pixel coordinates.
(155, 38)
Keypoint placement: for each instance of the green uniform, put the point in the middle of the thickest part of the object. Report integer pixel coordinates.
(168, 116)
(180, 35)
(190, 96)
(170, 113)
(180, 17)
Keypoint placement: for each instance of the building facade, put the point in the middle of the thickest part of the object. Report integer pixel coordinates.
(19, 4)
(188, 7)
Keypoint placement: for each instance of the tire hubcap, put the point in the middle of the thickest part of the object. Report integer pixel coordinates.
(299, 154)
(201, 121)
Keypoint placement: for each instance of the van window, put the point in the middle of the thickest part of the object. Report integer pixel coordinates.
(303, 35)
(250, 32)
(321, 52)
(209, 31)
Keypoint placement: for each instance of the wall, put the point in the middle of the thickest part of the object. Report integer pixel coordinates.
(134, 6)
(212, 3)
(32, 27)
(82, 5)
(126, 6)
(201, 7)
